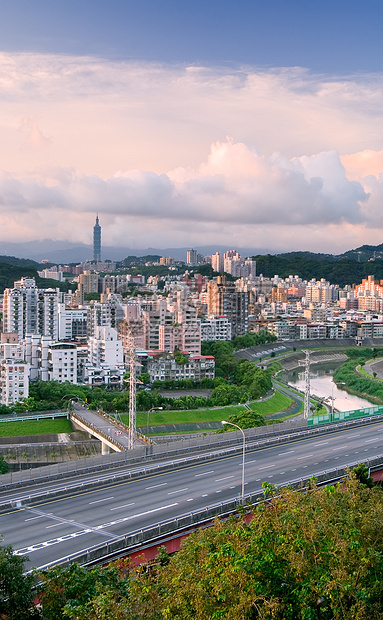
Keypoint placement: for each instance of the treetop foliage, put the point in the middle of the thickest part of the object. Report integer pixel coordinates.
(340, 270)
(303, 556)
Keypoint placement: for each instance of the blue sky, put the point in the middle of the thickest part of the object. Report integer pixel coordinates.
(192, 123)
(327, 36)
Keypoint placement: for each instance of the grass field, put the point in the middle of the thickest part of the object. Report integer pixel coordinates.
(278, 402)
(35, 427)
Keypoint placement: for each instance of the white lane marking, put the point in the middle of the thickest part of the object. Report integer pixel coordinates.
(33, 518)
(352, 436)
(179, 491)
(205, 495)
(55, 525)
(257, 480)
(247, 462)
(283, 453)
(101, 500)
(205, 473)
(163, 484)
(299, 458)
(218, 491)
(340, 448)
(190, 500)
(375, 439)
(293, 470)
(226, 478)
(124, 506)
(56, 541)
(266, 467)
(322, 443)
(281, 472)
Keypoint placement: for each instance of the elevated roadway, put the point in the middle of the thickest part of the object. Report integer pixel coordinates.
(47, 531)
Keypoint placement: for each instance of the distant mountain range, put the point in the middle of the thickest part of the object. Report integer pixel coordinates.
(65, 252)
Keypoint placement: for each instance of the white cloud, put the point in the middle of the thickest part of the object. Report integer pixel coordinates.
(130, 140)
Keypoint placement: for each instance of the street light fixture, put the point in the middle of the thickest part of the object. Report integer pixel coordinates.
(243, 456)
(147, 421)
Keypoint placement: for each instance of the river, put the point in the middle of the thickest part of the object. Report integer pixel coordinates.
(321, 384)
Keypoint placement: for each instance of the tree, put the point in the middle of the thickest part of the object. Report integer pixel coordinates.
(76, 592)
(16, 594)
(4, 467)
(303, 556)
(363, 475)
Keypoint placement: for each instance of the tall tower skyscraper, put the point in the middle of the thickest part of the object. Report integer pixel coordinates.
(97, 241)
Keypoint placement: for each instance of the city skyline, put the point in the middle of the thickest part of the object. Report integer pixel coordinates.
(189, 126)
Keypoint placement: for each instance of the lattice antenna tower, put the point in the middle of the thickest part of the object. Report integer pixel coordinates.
(307, 386)
(132, 390)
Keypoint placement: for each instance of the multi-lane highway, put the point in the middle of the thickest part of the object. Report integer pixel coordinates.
(50, 530)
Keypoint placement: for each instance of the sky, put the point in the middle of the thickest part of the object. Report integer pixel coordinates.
(239, 123)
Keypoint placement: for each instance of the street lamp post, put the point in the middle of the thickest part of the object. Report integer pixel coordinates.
(147, 421)
(332, 394)
(243, 455)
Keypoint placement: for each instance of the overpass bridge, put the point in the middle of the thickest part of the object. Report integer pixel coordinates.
(112, 434)
(103, 514)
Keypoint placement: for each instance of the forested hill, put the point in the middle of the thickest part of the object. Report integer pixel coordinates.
(340, 270)
(12, 269)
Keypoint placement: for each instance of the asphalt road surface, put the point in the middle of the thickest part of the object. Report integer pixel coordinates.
(47, 532)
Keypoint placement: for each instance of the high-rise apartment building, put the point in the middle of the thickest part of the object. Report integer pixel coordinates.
(192, 257)
(225, 300)
(29, 310)
(217, 262)
(97, 241)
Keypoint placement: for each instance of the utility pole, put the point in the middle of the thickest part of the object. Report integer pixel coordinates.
(307, 386)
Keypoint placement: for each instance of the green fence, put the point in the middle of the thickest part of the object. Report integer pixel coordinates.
(37, 416)
(340, 416)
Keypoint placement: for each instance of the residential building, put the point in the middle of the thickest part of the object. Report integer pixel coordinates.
(191, 257)
(224, 299)
(62, 362)
(195, 368)
(72, 323)
(215, 327)
(29, 310)
(14, 374)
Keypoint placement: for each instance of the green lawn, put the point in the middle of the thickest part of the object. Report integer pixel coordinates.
(35, 427)
(278, 402)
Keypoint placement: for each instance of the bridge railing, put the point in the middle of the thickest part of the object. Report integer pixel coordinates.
(177, 526)
(76, 416)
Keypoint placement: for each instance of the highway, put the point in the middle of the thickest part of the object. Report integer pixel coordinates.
(51, 530)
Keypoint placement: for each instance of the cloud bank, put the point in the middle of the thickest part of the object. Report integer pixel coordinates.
(146, 147)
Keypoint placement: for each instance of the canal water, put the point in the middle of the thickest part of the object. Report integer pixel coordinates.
(322, 384)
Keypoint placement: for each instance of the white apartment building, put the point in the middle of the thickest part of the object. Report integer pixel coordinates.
(62, 362)
(215, 327)
(72, 322)
(29, 310)
(106, 314)
(105, 348)
(49, 360)
(14, 374)
(196, 368)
